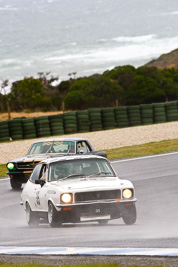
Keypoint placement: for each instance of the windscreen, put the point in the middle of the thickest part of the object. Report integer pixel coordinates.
(60, 147)
(80, 167)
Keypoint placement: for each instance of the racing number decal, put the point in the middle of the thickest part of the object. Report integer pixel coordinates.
(97, 211)
(38, 197)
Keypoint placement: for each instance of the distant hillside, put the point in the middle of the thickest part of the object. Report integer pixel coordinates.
(169, 60)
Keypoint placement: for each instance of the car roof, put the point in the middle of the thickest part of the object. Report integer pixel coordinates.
(60, 139)
(66, 158)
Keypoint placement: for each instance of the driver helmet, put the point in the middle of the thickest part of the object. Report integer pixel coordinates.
(60, 171)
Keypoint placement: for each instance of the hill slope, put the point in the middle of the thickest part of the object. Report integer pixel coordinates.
(169, 60)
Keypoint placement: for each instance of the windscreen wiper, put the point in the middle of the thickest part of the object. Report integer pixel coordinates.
(49, 148)
(98, 173)
(72, 175)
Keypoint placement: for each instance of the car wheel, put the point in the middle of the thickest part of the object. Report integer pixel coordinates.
(129, 214)
(31, 216)
(14, 184)
(53, 216)
(103, 222)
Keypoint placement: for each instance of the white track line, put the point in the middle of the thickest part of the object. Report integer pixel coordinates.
(4, 179)
(166, 252)
(144, 157)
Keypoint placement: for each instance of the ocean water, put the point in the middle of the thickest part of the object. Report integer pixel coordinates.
(83, 36)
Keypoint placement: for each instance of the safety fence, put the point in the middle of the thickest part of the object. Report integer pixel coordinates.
(94, 119)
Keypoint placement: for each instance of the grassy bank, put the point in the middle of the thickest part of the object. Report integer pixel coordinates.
(143, 150)
(131, 151)
(3, 171)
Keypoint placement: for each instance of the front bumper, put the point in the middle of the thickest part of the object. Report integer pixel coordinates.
(19, 176)
(95, 211)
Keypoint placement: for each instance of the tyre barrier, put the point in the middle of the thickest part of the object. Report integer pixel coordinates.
(83, 121)
(146, 111)
(94, 119)
(159, 113)
(134, 115)
(171, 109)
(121, 117)
(42, 126)
(70, 122)
(29, 129)
(4, 131)
(56, 124)
(108, 118)
(15, 129)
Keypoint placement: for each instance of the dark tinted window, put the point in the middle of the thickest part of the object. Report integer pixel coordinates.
(83, 167)
(35, 174)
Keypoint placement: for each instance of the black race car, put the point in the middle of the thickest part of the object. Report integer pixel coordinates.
(20, 169)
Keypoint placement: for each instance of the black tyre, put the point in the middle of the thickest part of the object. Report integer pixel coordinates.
(122, 124)
(129, 214)
(121, 117)
(57, 132)
(109, 119)
(57, 128)
(4, 132)
(91, 110)
(15, 185)
(2, 139)
(56, 124)
(147, 121)
(53, 216)
(32, 217)
(29, 136)
(17, 137)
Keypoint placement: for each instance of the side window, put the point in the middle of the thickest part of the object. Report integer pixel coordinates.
(83, 148)
(35, 174)
(42, 175)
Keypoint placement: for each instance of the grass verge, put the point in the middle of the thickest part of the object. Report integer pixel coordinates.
(143, 150)
(131, 151)
(3, 171)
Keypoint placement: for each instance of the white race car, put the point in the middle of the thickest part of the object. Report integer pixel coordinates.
(77, 189)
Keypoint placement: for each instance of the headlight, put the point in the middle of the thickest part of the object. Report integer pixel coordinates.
(10, 166)
(66, 198)
(127, 193)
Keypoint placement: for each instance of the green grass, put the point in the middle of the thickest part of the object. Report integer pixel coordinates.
(131, 151)
(3, 171)
(143, 150)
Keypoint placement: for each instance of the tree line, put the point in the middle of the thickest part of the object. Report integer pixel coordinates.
(123, 85)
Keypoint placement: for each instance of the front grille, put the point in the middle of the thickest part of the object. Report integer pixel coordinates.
(97, 195)
(26, 165)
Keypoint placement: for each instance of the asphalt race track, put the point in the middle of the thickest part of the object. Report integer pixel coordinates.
(156, 182)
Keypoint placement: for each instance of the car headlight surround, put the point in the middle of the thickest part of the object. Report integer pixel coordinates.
(127, 193)
(10, 166)
(66, 198)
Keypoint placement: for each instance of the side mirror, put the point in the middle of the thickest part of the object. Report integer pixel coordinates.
(41, 182)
